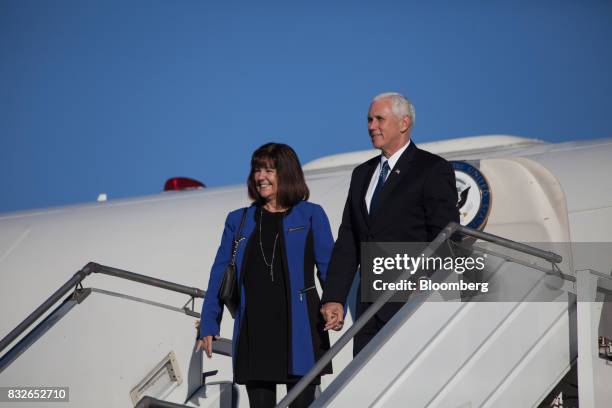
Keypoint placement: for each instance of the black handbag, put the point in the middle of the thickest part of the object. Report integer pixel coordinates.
(229, 293)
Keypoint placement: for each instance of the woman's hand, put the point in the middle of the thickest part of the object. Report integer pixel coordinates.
(205, 343)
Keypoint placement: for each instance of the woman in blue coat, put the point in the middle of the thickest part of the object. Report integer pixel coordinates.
(278, 330)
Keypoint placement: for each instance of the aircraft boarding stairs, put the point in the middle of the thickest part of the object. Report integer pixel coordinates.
(105, 355)
(514, 347)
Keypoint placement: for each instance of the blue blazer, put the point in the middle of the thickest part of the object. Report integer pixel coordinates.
(306, 234)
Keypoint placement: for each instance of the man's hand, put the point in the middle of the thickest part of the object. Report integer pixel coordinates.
(333, 313)
(205, 343)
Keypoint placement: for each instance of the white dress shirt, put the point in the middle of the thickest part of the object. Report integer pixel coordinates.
(374, 180)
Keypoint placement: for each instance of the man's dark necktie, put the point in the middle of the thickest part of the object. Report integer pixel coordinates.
(379, 186)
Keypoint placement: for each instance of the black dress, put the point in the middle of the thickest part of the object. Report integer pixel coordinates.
(262, 353)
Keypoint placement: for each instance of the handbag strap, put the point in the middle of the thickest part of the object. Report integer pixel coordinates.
(238, 237)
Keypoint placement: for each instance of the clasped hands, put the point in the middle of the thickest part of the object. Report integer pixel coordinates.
(333, 313)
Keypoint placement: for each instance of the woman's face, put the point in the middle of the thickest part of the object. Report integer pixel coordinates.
(266, 182)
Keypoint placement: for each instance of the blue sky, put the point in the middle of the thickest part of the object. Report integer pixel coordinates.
(116, 97)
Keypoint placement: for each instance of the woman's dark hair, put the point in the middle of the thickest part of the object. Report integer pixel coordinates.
(291, 186)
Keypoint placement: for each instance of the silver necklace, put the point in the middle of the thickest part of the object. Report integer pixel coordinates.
(271, 264)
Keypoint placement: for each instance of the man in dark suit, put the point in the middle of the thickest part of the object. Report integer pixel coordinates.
(403, 195)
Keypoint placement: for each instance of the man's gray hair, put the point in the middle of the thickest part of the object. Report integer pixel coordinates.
(400, 105)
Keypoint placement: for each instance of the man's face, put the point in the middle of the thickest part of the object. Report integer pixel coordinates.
(388, 132)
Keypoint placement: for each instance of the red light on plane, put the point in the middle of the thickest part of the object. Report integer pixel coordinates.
(182, 183)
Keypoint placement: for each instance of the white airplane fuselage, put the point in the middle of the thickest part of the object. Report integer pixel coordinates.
(106, 345)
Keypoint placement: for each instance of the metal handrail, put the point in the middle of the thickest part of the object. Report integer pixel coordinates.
(440, 239)
(147, 280)
(546, 255)
(77, 278)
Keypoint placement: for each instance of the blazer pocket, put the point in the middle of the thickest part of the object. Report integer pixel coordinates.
(293, 229)
(302, 292)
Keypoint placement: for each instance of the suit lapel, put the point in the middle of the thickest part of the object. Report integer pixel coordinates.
(364, 188)
(401, 170)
